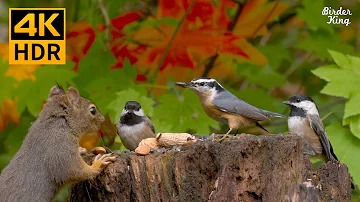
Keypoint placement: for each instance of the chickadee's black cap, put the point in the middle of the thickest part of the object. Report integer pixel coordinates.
(133, 105)
(299, 98)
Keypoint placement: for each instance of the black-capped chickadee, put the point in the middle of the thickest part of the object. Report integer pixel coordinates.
(304, 121)
(134, 125)
(225, 107)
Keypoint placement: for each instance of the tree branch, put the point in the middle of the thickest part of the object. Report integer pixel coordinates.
(237, 15)
(264, 21)
(107, 21)
(172, 39)
(210, 65)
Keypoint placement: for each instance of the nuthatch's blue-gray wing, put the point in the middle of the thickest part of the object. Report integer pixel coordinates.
(228, 102)
(318, 127)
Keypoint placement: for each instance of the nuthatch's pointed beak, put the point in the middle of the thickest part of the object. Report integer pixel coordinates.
(183, 84)
(286, 102)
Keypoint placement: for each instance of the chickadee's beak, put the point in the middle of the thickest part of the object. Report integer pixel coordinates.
(183, 84)
(287, 102)
(126, 111)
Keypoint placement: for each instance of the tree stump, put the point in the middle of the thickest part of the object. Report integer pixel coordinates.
(244, 168)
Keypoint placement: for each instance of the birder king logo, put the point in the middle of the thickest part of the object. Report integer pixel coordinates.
(37, 36)
(335, 16)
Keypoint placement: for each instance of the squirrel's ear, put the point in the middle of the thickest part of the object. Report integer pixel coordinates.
(73, 96)
(56, 90)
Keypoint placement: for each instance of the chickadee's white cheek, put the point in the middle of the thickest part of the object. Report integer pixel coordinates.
(308, 106)
(123, 112)
(140, 112)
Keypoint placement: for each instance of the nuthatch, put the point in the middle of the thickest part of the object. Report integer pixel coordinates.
(134, 125)
(225, 107)
(304, 121)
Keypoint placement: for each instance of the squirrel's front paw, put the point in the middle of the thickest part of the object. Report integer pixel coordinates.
(102, 161)
(82, 150)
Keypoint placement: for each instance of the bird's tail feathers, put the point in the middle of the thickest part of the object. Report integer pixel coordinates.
(260, 126)
(273, 114)
(352, 183)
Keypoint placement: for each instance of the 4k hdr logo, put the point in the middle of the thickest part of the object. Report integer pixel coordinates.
(37, 36)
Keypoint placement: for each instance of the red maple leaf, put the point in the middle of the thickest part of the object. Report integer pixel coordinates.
(82, 35)
(79, 39)
(207, 37)
(203, 10)
(119, 46)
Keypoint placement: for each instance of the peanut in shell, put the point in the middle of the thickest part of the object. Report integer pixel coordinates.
(142, 149)
(151, 142)
(174, 139)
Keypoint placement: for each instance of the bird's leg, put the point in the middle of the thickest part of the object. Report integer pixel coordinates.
(236, 132)
(226, 136)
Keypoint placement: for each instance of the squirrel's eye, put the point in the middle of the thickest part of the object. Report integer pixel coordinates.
(298, 100)
(92, 110)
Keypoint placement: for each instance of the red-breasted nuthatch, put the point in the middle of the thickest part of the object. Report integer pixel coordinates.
(225, 107)
(134, 125)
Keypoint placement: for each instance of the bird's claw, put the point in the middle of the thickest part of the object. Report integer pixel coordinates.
(225, 137)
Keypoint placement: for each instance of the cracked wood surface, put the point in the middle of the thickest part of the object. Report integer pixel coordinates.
(244, 168)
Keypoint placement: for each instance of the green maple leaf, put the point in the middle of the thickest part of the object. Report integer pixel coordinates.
(266, 78)
(16, 136)
(183, 113)
(345, 146)
(31, 93)
(344, 81)
(6, 82)
(95, 64)
(272, 51)
(319, 42)
(102, 89)
(311, 13)
(352, 106)
(99, 83)
(161, 126)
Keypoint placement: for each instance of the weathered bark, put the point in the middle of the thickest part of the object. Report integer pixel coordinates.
(245, 168)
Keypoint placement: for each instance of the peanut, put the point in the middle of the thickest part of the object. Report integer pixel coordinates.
(172, 139)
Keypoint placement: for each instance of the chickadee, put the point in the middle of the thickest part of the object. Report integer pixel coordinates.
(225, 107)
(134, 125)
(304, 121)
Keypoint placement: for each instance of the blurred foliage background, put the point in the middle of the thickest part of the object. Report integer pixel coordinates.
(262, 51)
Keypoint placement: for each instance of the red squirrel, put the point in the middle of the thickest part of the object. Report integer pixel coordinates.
(49, 156)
